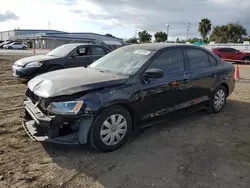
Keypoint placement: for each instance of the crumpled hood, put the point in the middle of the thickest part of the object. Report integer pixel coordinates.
(24, 61)
(71, 81)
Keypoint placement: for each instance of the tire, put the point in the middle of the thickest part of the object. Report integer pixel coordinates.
(247, 58)
(97, 140)
(9, 47)
(216, 107)
(24, 48)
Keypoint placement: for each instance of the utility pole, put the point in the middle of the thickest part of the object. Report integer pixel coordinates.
(136, 32)
(188, 27)
(167, 25)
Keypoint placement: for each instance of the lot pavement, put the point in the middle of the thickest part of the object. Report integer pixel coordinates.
(192, 151)
(22, 52)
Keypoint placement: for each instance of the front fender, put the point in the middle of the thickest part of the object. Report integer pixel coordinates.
(96, 101)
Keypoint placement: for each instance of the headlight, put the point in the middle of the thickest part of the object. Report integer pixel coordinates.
(65, 108)
(34, 64)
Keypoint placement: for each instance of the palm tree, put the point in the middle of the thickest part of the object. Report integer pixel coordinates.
(204, 27)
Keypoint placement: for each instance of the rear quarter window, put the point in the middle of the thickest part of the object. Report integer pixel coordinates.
(212, 60)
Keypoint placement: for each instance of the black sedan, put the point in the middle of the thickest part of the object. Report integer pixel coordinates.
(132, 87)
(65, 56)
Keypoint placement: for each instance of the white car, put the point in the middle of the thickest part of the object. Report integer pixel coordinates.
(15, 45)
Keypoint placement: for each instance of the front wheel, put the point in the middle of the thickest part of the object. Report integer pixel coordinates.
(9, 47)
(218, 100)
(110, 129)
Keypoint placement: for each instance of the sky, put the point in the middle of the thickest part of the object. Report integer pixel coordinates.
(122, 18)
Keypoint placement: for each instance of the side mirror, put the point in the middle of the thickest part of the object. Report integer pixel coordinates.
(154, 73)
(74, 55)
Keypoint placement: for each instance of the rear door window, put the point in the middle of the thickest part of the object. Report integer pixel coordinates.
(223, 49)
(198, 59)
(98, 51)
(169, 61)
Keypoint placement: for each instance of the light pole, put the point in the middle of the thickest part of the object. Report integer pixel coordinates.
(188, 27)
(167, 25)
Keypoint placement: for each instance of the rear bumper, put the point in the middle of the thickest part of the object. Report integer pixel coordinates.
(43, 128)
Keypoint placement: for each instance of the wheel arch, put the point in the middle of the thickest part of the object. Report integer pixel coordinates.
(226, 87)
(122, 103)
(245, 57)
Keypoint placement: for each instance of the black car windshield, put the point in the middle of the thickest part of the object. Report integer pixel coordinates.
(125, 60)
(62, 50)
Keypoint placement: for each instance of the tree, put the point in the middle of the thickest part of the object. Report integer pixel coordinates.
(109, 35)
(144, 36)
(204, 27)
(132, 41)
(246, 39)
(193, 40)
(160, 36)
(232, 32)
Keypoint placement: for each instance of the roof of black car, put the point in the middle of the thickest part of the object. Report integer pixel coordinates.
(155, 46)
(79, 44)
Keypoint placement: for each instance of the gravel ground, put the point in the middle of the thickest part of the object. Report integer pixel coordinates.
(192, 151)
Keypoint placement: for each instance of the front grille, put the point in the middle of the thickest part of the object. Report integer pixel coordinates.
(43, 103)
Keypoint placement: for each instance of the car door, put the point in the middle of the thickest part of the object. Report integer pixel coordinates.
(15, 45)
(79, 57)
(97, 52)
(201, 74)
(162, 95)
(234, 54)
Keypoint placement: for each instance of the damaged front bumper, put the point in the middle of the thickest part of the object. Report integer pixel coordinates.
(43, 128)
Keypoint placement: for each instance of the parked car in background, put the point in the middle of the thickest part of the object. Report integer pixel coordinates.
(5, 42)
(15, 45)
(232, 54)
(131, 87)
(64, 56)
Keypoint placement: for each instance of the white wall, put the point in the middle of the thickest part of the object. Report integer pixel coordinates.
(241, 47)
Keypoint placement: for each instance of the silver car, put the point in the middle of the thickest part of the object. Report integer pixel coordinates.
(15, 45)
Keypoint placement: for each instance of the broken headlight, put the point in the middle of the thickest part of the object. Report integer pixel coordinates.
(65, 108)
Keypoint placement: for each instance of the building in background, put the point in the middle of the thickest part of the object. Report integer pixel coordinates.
(50, 39)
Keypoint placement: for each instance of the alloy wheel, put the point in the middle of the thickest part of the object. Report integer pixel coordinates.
(219, 99)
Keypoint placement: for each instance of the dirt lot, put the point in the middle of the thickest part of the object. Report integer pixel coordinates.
(195, 151)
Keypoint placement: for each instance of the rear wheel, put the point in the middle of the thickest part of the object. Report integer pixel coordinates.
(110, 129)
(246, 60)
(218, 100)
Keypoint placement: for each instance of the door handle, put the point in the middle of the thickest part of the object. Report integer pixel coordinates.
(185, 81)
(214, 75)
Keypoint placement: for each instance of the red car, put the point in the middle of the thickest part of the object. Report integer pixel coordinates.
(233, 54)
